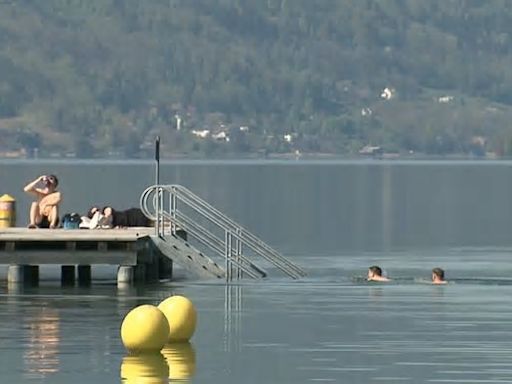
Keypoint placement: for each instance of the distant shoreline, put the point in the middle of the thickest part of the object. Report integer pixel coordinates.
(269, 160)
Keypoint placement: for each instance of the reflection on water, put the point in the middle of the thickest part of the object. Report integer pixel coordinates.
(14, 288)
(327, 327)
(41, 356)
(147, 368)
(232, 316)
(176, 362)
(181, 359)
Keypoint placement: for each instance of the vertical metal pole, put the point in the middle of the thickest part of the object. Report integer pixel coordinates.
(228, 255)
(162, 223)
(226, 264)
(238, 250)
(231, 255)
(157, 183)
(173, 202)
(235, 251)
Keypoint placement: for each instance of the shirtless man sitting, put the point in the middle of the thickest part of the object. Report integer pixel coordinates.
(44, 212)
(375, 274)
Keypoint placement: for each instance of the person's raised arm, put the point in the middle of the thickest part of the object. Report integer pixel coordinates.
(32, 186)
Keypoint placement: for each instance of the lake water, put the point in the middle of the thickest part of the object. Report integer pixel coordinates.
(334, 219)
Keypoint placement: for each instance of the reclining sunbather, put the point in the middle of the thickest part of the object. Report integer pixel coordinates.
(110, 218)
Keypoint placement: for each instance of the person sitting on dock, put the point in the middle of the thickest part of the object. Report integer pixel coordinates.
(375, 274)
(438, 276)
(44, 212)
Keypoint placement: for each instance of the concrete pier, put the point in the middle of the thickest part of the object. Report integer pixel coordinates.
(165, 267)
(76, 251)
(32, 275)
(84, 275)
(125, 275)
(67, 275)
(16, 274)
(139, 273)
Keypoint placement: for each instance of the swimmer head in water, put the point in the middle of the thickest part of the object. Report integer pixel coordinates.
(375, 274)
(438, 276)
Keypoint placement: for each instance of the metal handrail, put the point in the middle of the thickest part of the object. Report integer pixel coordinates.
(247, 237)
(205, 237)
(210, 240)
(257, 245)
(236, 237)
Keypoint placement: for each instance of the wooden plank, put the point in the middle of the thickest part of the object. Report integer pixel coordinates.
(68, 257)
(25, 234)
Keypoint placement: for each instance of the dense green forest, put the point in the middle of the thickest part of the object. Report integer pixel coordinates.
(99, 78)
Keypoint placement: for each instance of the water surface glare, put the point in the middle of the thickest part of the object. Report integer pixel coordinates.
(329, 327)
(334, 218)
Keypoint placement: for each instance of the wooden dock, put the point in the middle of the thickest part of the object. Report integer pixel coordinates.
(131, 249)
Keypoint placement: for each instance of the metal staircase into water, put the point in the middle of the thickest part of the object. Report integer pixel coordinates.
(174, 208)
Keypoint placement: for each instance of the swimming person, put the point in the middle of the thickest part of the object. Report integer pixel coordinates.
(375, 274)
(44, 212)
(438, 276)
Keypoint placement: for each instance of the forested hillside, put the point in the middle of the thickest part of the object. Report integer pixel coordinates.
(95, 78)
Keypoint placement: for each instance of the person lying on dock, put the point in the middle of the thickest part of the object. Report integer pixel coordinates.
(94, 219)
(44, 212)
(375, 274)
(438, 276)
(132, 217)
(108, 217)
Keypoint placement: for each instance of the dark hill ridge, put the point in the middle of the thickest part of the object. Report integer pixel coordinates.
(103, 77)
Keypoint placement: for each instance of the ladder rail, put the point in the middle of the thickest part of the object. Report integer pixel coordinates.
(210, 240)
(221, 220)
(214, 243)
(256, 244)
(219, 246)
(153, 197)
(251, 242)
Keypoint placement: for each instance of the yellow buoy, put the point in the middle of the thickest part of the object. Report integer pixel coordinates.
(144, 329)
(181, 358)
(182, 317)
(7, 211)
(146, 368)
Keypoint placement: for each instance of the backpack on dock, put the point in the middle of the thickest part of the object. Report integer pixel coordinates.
(71, 221)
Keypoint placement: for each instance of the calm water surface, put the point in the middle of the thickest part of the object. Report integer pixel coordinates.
(334, 219)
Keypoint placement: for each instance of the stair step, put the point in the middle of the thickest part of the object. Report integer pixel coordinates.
(181, 252)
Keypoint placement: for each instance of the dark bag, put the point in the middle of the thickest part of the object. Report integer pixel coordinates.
(71, 221)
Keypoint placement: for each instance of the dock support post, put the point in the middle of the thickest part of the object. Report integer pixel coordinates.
(67, 275)
(16, 273)
(139, 273)
(164, 267)
(125, 275)
(147, 262)
(152, 271)
(32, 274)
(84, 275)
